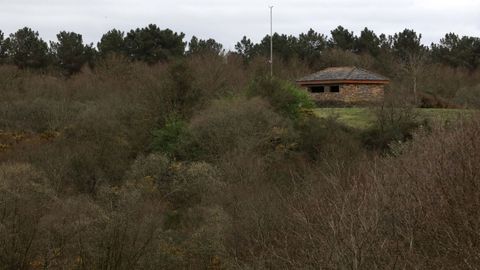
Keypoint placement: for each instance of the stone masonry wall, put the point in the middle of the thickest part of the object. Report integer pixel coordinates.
(352, 93)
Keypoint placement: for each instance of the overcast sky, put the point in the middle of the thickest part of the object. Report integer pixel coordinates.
(227, 21)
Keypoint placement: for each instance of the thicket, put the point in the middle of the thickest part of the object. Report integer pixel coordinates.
(429, 75)
(205, 162)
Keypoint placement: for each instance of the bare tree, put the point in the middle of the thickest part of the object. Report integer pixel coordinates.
(413, 65)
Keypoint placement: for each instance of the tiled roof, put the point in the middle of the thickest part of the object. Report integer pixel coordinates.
(343, 74)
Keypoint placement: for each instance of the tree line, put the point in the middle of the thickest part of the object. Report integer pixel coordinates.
(26, 49)
(451, 50)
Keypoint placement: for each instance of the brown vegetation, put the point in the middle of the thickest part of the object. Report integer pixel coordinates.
(205, 163)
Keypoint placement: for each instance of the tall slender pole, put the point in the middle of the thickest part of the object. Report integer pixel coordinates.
(271, 41)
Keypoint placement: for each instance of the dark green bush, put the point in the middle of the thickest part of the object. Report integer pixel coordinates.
(168, 139)
(285, 97)
(394, 124)
(180, 84)
(327, 139)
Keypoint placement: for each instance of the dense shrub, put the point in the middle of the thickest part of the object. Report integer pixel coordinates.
(328, 140)
(393, 124)
(124, 227)
(238, 123)
(179, 83)
(413, 209)
(97, 174)
(193, 220)
(172, 138)
(432, 101)
(216, 77)
(20, 186)
(178, 182)
(469, 97)
(285, 97)
(39, 115)
(436, 194)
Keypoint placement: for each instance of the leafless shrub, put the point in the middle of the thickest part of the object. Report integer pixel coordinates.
(217, 76)
(413, 210)
(24, 199)
(437, 193)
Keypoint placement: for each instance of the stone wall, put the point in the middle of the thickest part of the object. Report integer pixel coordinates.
(351, 93)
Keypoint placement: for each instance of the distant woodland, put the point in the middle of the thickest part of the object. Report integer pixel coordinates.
(146, 151)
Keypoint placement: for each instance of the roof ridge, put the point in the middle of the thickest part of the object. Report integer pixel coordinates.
(351, 71)
(374, 73)
(366, 70)
(344, 73)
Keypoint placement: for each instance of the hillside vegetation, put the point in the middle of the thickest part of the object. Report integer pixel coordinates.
(153, 157)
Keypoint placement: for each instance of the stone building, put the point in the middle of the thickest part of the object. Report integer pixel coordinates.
(347, 85)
